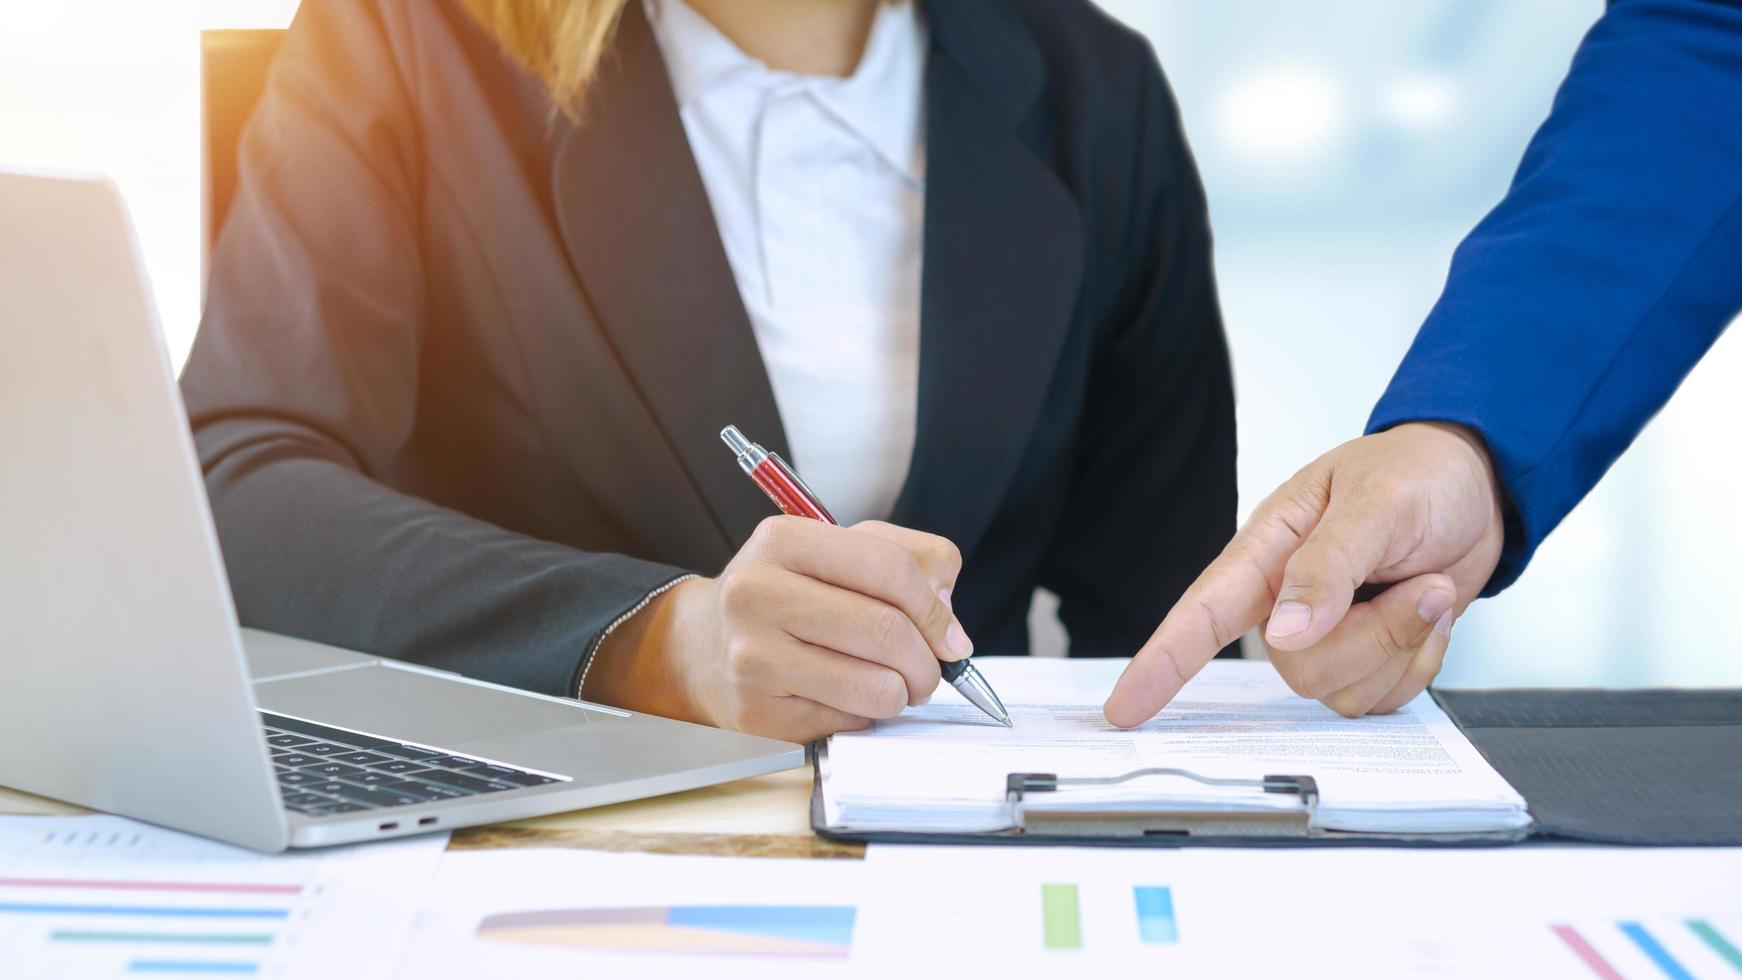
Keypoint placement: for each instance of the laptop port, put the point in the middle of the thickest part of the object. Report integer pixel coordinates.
(390, 826)
(426, 821)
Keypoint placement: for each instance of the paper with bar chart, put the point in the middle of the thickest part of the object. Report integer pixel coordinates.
(1585, 913)
(1675, 947)
(1581, 913)
(1053, 911)
(1620, 946)
(101, 896)
(571, 913)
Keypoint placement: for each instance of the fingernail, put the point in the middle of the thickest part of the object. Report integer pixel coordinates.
(1289, 618)
(944, 596)
(957, 638)
(1433, 605)
(1444, 625)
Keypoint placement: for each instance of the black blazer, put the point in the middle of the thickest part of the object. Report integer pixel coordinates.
(463, 362)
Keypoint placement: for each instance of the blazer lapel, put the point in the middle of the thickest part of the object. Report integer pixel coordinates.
(1003, 260)
(641, 236)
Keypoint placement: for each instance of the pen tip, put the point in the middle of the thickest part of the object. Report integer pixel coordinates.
(1009, 723)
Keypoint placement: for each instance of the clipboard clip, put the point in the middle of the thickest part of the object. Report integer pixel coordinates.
(1018, 786)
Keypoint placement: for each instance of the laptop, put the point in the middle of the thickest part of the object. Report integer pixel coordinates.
(126, 682)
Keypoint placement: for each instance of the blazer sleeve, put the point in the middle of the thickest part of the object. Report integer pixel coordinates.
(1154, 495)
(1574, 310)
(303, 384)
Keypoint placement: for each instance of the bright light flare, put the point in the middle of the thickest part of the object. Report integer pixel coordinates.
(1283, 113)
(1420, 101)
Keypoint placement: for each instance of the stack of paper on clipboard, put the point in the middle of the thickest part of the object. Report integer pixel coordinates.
(943, 769)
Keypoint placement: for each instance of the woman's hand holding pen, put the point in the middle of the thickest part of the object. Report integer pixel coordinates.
(811, 629)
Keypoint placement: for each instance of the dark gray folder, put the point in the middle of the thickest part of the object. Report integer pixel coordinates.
(1618, 767)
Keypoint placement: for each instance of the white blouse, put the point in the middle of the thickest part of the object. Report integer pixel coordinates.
(818, 187)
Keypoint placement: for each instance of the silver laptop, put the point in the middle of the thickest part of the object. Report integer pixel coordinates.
(126, 683)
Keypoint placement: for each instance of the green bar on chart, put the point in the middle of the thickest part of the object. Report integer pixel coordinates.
(1715, 939)
(1155, 923)
(1061, 919)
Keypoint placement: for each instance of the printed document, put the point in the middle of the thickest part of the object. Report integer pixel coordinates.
(527, 913)
(1301, 912)
(101, 896)
(941, 767)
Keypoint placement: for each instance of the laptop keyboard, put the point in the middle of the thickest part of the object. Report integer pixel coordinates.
(324, 770)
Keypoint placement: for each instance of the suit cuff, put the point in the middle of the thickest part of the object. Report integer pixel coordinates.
(624, 617)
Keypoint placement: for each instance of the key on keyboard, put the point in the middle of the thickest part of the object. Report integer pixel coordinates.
(318, 767)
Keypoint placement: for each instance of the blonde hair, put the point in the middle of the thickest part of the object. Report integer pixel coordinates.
(560, 42)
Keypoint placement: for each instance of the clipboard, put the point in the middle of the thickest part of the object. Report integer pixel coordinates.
(1642, 767)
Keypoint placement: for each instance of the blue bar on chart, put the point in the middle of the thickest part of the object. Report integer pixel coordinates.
(200, 967)
(161, 911)
(1654, 949)
(1155, 922)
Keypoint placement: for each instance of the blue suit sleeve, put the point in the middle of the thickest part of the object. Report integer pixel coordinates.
(1576, 307)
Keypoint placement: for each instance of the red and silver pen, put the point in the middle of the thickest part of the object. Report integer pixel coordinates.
(790, 494)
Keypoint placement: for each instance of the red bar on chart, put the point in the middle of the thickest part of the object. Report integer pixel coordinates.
(1586, 952)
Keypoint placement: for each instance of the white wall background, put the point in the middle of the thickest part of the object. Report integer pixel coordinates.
(1346, 145)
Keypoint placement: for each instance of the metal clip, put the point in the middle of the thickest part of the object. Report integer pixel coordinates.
(1018, 784)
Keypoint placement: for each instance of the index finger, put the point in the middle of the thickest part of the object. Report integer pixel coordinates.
(1233, 595)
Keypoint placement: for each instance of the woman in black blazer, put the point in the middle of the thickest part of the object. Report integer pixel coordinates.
(472, 331)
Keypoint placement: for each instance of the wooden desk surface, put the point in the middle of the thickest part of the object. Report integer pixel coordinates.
(768, 816)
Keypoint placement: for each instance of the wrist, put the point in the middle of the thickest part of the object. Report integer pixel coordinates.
(1473, 489)
(637, 664)
(1472, 442)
